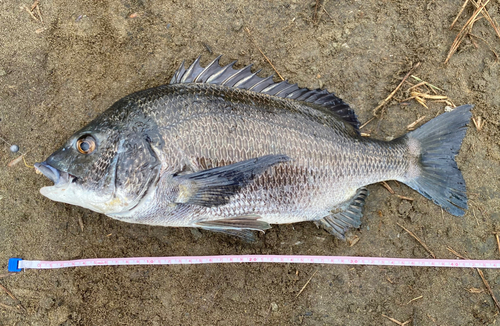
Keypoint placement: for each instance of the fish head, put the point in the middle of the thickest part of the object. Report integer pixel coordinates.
(102, 167)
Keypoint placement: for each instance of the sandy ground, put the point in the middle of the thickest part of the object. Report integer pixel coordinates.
(56, 75)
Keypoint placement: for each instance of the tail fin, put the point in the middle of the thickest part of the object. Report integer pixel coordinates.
(437, 175)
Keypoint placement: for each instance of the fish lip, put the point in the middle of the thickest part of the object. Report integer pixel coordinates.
(59, 177)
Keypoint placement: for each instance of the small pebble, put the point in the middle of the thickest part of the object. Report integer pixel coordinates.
(14, 148)
(196, 233)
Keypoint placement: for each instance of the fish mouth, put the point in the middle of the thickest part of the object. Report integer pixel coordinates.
(60, 178)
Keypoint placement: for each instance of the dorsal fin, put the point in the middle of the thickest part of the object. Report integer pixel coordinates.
(243, 78)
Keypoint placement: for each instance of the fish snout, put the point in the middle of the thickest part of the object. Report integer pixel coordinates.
(50, 172)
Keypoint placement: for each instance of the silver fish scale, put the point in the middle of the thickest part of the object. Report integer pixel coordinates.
(206, 126)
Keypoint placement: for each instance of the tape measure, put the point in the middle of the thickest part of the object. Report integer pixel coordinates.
(18, 264)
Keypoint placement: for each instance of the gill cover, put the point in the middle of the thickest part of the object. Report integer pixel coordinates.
(105, 171)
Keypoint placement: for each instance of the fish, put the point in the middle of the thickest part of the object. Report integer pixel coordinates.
(226, 150)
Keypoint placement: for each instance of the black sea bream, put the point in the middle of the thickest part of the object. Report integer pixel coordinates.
(225, 150)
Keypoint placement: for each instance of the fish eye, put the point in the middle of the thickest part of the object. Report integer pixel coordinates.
(86, 144)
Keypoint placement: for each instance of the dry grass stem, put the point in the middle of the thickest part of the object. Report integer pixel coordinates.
(464, 31)
(39, 13)
(481, 209)
(478, 122)
(386, 100)
(498, 240)
(474, 213)
(473, 41)
(412, 125)
(417, 85)
(386, 186)
(406, 198)
(367, 122)
(486, 15)
(407, 99)
(35, 4)
(6, 274)
(9, 293)
(397, 321)
(459, 13)
(421, 101)
(448, 102)
(265, 57)
(309, 280)
(488, 44)
(429, 96)
(315, 16)
(327, 13)
(419, 241)
(426, 83)
(352, 241)
(420, 93)
(80, 222)
(480, 272)
(18, 303)
(450, 249)
(475, 290)
(9, 307)
(31, 13)
(431, 89)
(420, 297)
(430, 317)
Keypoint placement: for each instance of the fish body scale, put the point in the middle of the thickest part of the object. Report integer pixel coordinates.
(204, 128)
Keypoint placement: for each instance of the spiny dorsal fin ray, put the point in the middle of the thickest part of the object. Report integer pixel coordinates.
(243, 78)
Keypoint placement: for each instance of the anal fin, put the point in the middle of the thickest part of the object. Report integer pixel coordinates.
(349, 216)
(248, 222)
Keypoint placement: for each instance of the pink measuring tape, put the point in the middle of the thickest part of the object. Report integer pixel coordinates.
(18, 264)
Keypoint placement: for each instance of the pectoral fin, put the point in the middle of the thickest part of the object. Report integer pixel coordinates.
(216, 186)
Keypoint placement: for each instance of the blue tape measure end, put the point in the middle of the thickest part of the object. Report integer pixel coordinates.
(14, 264)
